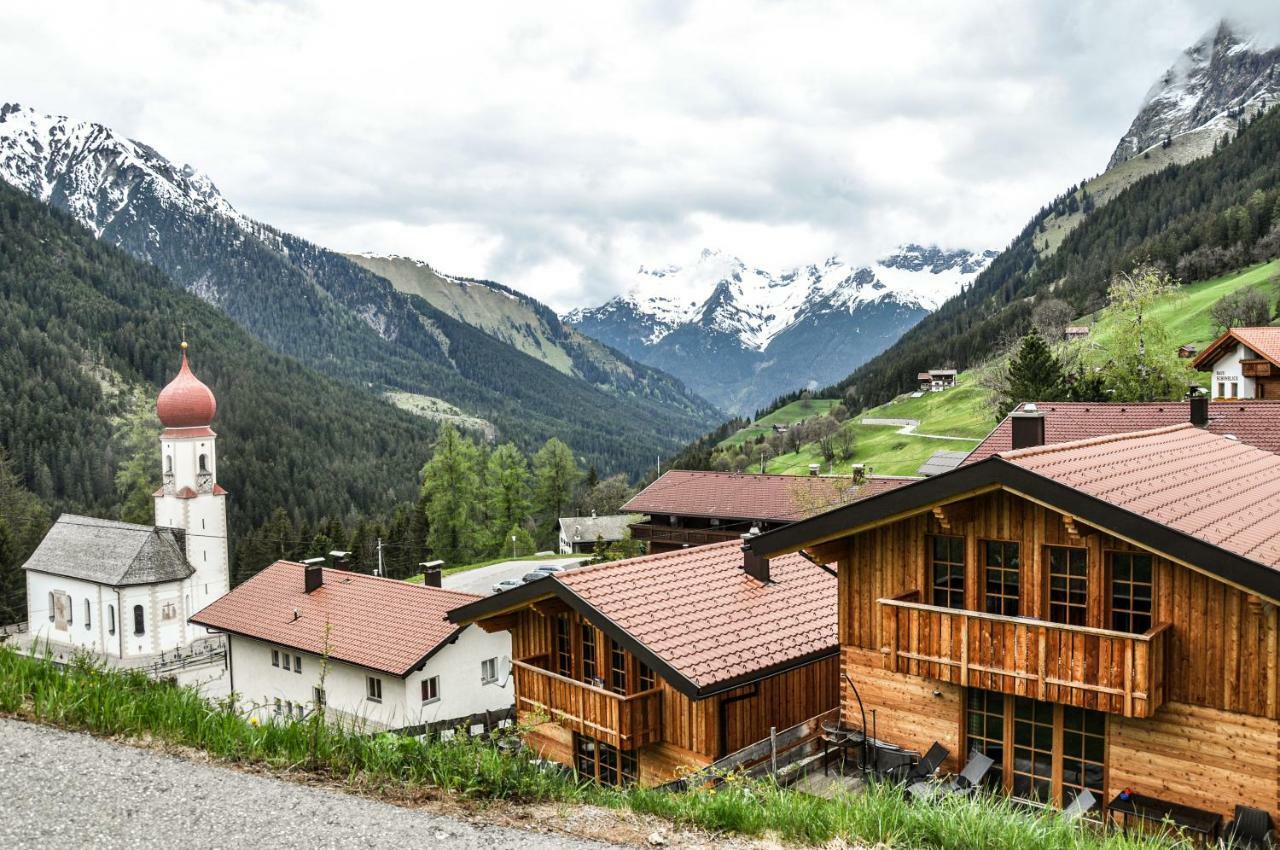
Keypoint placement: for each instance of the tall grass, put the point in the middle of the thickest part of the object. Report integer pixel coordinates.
(129, 705)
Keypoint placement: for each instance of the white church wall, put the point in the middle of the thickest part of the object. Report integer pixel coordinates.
(44, 626)
(164, 621)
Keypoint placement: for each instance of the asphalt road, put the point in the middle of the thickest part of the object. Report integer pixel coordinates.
(62, 789)
(482, 579)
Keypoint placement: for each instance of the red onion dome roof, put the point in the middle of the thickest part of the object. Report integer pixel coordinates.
(186, 402)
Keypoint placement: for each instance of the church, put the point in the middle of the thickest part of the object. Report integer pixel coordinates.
(125, 591)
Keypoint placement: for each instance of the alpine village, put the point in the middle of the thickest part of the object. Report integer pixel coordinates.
(920, 547)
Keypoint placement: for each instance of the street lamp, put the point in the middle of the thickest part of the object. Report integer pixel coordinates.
(513, 547)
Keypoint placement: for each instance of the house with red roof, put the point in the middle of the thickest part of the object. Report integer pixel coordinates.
(644, 669)
(1098, 614)
(1244, 362)
(687, 508)
(366, 648)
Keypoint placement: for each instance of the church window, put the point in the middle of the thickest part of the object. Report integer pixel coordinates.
(51, 606)
(139, 621)
(204, 463)
(86, 615)
(168, 464)
(111, 619)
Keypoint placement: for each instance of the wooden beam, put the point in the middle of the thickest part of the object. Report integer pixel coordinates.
(501, 623)
(551, 607)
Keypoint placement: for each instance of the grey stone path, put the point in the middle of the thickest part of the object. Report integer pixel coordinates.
(61, 789)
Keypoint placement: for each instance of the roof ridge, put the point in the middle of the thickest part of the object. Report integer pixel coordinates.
(1033, 451)
(394, 581)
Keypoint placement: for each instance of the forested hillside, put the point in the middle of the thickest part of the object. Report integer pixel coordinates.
(90, 335)
(1198, 220)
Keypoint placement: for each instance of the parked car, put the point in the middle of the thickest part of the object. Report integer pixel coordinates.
(533, 576)
(507, 584)
(551, 569)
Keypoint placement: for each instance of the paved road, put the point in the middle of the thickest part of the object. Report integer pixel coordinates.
(61, 789)
(482, 579)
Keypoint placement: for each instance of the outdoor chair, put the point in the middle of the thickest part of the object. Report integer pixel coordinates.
(926, 767)
(974, 771)
(1080, 806)
(1250, 829)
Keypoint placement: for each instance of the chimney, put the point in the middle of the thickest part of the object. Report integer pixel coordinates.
(1028, 427)
(431, 573)
(313, 576)
(813, 468)
(753, 564)
(340, 560)
(1199, 407)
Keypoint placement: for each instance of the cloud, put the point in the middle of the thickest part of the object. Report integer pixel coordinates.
(555, 147)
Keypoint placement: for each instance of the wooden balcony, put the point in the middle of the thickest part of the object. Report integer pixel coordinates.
(669, 536)
(1116, 672)
(1256, 369)
(626, 722)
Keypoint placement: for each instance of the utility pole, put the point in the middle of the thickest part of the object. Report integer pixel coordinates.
(379, 572)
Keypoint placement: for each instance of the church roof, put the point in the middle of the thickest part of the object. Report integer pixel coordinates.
(186, 402)
(107, 552)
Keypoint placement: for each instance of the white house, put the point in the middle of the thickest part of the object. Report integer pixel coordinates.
(125, 591)
(1245, 363)
(376, 649)
(581, 533)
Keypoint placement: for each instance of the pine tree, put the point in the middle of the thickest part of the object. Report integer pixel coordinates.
(1034, 374)
(451, 485)
(506, 494)
(555, 474)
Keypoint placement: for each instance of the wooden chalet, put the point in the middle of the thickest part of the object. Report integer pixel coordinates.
(1095, 614)
(691, 508)
(1245, 363)
(644, 669)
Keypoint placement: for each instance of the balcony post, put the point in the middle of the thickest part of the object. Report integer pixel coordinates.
(1042, 686)
(964, 652)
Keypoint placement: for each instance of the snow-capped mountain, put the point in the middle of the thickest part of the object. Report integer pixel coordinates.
(740, 335)
(1227, 75)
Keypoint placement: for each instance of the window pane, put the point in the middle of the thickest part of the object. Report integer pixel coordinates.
(947, 568)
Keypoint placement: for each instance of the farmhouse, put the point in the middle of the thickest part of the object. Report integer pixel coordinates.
(641, 669)
(1098, 614)
(1254, 422)
(368, 648)
(581, 533)
(124, 591)
(689, 508)
(936, 380)
(1245, 363)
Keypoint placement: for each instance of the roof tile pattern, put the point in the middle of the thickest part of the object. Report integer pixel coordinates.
(1254, 422)
(735, 495)
(701, 613)
(118, 554)
(186, 402)
(1218, 489)
(373, 622)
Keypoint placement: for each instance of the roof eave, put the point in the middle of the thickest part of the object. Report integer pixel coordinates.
(399, 674)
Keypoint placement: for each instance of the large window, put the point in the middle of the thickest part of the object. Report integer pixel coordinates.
(564, 647)
(590, 672)
(604, 763)
(1043, 751)
(111, 619)
(1001, 579)
(139, 621)
(1068, 585)
(946, 557)
(1130, 591)
(87, 615)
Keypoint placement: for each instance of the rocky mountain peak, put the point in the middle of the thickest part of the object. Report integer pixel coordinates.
(1227, 75)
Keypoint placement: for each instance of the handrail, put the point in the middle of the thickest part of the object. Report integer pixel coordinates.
(1145, 637)
(533, 668)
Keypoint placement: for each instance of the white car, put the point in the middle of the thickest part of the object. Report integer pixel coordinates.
(551, 569)
(507, 584)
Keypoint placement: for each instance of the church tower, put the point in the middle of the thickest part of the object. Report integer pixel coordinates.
(190, 498)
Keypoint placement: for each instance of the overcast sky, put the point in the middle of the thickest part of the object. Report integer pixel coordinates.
(555, 146)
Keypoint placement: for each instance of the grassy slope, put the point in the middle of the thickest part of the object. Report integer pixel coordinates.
(786, 415)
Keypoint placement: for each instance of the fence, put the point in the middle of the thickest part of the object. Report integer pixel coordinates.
(768, 756)
(480, 723)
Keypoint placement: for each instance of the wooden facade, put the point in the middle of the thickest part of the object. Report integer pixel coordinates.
(995, 621)
(574, 683)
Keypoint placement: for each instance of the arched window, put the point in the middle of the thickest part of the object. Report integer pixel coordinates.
(204, 463)
(87, 615)
(168, 464)
(111, 619)
(139, 625)
(51, 606)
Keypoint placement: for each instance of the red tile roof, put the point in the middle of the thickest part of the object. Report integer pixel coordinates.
(1254, 422)
(1217, 489)
(373, 622)
(698, 611)
(736, 495)
(1264, 341)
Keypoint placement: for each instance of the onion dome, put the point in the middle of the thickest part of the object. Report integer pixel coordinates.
(186, 402)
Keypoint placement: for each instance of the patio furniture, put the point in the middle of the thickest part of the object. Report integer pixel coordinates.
(1250, 829)
(842, 738)
(1203, 823)
(926, 767)
(968, 779)
(1080, 806)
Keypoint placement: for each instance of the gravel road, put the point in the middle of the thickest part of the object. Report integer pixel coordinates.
(62, 789)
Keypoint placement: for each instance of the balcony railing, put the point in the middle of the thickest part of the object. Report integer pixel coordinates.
(1256, 368)
(626, 722)
(1110, 671)
(681, 536)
